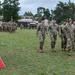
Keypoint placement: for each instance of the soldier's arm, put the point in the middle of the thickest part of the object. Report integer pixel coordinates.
(49, 27)
(38, 28)
(58, 27)
(74, 31)
(46, 29)
(59, 30)
(65, 29)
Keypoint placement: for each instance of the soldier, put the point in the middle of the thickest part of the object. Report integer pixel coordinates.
(62, 34)
(13, 27)
(21, 26)
(5, 26)
(74, 33)
(70, 37)
(53, 28)
(41, 30)
(1, 27)
(29, 26)
(10, 27)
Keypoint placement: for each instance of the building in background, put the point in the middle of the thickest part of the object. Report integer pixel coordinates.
(28, 22)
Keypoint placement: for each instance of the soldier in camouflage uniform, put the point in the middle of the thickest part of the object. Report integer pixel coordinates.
(53, 28)
(13, 27)
(1, 27)
(4, 28)
(10, 27)
(41, 30)
(70, 37)
(74, 33)
(21, 26)
(62, 34)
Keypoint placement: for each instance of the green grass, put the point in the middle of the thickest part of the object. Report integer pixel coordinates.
(20, 53)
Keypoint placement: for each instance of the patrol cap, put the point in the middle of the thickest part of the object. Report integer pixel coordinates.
(69, 20)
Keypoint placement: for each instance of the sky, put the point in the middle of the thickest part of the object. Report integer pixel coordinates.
(32, 5)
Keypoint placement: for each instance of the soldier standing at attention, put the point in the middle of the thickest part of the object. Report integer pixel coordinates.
(41, 32)
(62, 34)
(70, 37)
(53, 28)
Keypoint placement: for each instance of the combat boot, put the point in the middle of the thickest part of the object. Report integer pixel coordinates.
(73, 49)
(53, 50)
(68, 53)
(64, 49)
(41, 47)
(41, 50)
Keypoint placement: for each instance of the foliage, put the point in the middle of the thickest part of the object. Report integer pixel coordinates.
(43, 13)
(0, 9)
(64, 11)
(10, 10)
(28, 14)
(47, 14)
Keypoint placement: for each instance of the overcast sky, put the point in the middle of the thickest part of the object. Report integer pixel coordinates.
(32, 5)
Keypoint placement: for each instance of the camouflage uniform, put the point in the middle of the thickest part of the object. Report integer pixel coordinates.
(74, 35)
(41, 30)
(53, 28)
(62, 34)
(1, 27)
(5, 27)
(13, 27)
(21, 26)
(10, 27)
(70, 37)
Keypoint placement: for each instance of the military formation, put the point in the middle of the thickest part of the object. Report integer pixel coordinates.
(8, 26)
(66, 32)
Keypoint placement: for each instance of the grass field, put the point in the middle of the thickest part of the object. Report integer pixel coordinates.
(20, 53)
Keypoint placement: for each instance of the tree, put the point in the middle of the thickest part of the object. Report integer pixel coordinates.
(64, 11)
(40, 13)
(28, 14)
(47, 13)
(10, 10)
(72, 9)
(43, 13)
(60, 12)
(40, 10)
(0, 9)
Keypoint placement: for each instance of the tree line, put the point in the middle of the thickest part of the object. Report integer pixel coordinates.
(9, 9)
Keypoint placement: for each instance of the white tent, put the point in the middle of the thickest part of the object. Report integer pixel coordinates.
(25, 20)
